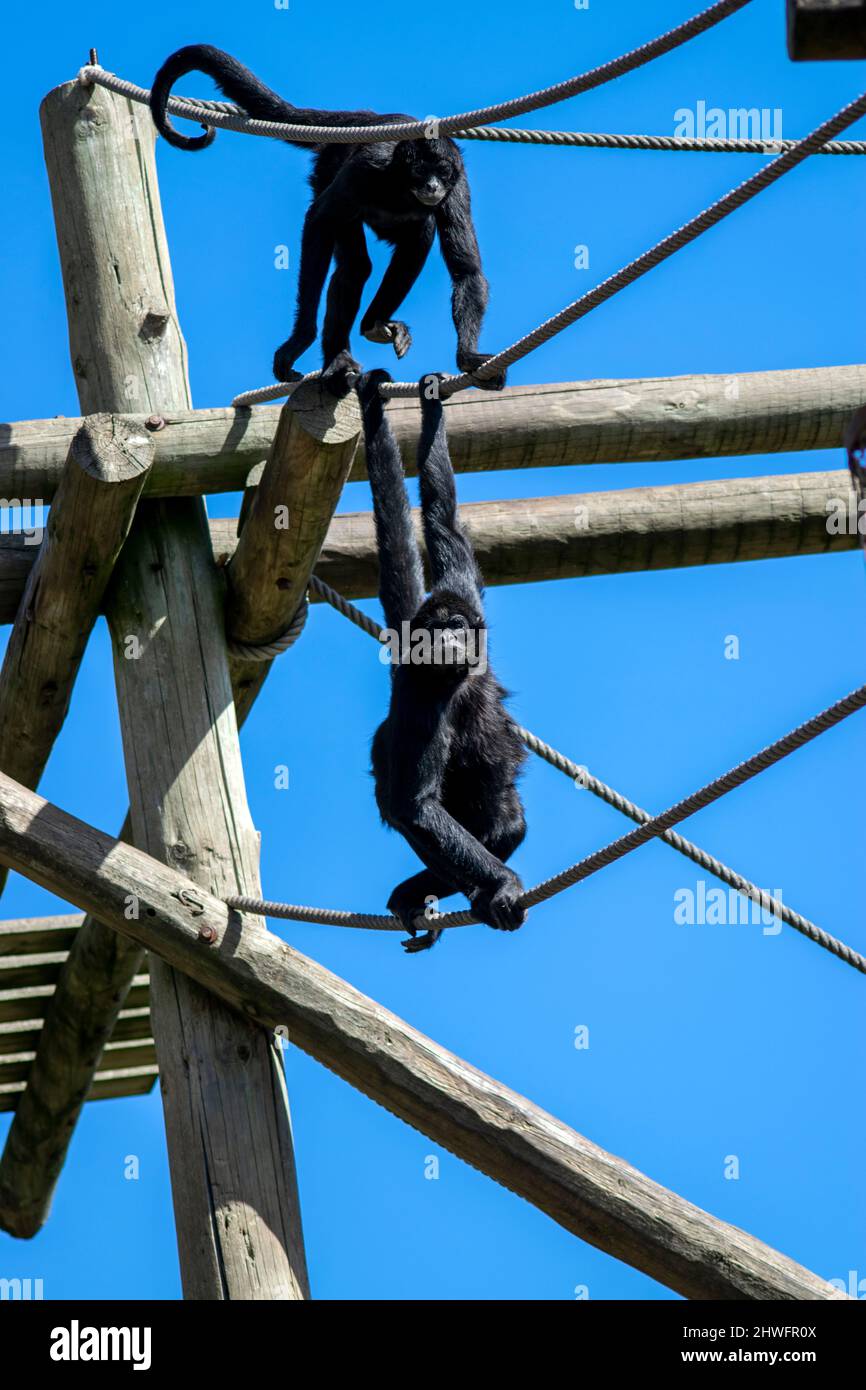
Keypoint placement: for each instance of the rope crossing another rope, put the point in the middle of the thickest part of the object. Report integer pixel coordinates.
(649, 827)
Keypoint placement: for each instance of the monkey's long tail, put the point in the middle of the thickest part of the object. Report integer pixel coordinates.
(241, 86)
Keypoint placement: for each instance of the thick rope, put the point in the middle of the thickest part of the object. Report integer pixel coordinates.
(635, 269)
(226, 115)
(231, 117)
(685, 847)
(650, 826)
(694, 144)
(267, 651)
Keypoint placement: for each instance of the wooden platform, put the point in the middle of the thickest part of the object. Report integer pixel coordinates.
(32, 954)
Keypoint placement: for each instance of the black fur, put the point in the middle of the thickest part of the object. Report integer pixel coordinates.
(380, 186)
(447, 757)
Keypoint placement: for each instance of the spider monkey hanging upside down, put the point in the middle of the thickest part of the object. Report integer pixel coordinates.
(447, 757)
(404, 192)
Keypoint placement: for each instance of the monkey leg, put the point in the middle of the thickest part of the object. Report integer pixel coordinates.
(353, 267)
(327, 216)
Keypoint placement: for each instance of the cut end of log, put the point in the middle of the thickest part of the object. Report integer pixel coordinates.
(111, 450)
(323, 416)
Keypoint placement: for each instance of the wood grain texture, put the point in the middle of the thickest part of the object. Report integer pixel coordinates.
(29, 935)
(88, 522)
(590, 1192)
(545, 426)
(100, 980)
(284, 523)
(632, 529)
(222, 1079)
(289, 513)
(589, 533)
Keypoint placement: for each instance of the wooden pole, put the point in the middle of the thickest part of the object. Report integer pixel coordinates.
(588, 1191)
(89, 520)
(222, 1079)
(545, 426)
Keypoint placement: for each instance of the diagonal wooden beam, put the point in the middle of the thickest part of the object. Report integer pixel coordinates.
(543, 426)
(88, 523)
(590, 1192)
(284, 524)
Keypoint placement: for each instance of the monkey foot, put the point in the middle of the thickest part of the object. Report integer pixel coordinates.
(422, 942)
(283, 369)
(342, 374)
(471, 361)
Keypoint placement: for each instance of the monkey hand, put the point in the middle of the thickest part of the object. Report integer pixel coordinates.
(471, 361)
(395, 333)
(501, 908)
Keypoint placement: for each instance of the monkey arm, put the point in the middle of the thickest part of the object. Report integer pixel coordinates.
(460, 253)
(401, 576)
(406, 264)
(450, 850)
(452, 559)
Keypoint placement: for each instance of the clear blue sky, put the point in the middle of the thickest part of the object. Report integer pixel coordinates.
(705, 1041)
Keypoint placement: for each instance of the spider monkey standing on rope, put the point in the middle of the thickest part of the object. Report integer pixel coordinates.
(447, 757)
(404, 192)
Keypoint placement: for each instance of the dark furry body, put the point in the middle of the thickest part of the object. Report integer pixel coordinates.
(447, 757)
(378, 186)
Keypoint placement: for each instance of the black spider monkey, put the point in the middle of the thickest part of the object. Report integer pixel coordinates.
(447, 757)
(404, 192)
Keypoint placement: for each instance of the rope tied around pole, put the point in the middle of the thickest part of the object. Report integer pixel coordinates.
(649, 827)
(267, 651)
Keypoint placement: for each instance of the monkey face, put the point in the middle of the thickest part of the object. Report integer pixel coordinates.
(448, 636)
(429, 168)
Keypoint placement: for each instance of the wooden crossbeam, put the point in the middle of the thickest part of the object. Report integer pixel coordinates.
(590, 1192)
(632, 529)
(622, 531)
(89, 520)
(545, 426)
(222, 1080)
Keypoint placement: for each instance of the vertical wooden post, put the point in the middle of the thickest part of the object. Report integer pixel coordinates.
(227, 1118)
